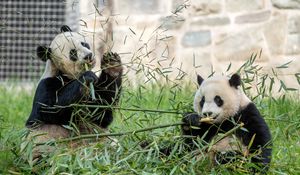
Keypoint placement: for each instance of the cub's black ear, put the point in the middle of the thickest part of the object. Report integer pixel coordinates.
(199, 80)
(43, 53)
(65, 28)
(235, 80)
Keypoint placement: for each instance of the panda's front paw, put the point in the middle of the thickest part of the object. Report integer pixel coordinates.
(89, 77)
(191, 120)
(111, 64)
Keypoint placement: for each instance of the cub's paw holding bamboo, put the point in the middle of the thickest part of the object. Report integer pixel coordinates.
(226, 117)
(111, 64)
(63, 100)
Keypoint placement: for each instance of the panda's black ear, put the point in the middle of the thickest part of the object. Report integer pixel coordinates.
(199, 80)
(65, 28)
(43, 52)
(235, 80)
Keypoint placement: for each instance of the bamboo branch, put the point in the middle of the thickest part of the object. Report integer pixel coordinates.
(126, 109)
(89, 136)
(116, 108)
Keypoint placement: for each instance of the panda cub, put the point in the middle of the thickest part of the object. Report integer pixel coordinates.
(222, 100)
(66, 81)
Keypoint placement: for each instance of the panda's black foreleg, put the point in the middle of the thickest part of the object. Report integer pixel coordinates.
(193, 127)
(110, 78)
(57, 110)
(108, 88)
(75, 90)
(52, 99)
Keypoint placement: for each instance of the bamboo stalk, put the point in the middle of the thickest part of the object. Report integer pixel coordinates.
(89, 136)
(118, 108)
(125, 109)
(92, 89)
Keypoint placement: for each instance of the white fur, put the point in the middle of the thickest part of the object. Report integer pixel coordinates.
(60, 52)
(234, 99)
(50, 70)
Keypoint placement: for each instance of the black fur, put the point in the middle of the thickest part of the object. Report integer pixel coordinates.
(53, 97)
(235, 80)
(199, 80)
(65, 28)
(43, 53)
(253, 122)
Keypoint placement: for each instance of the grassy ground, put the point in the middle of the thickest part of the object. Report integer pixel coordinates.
(127, 157)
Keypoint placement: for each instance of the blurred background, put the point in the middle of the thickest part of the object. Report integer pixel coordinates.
(172, 38)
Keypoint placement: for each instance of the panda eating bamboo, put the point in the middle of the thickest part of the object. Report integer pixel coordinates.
(65, 82)
(221, 105)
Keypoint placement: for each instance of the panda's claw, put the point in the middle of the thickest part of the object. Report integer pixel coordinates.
(111, 64)
(110, 58)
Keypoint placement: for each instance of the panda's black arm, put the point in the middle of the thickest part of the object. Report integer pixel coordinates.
(108, 86)
(52, 99)
(193, 127)
(107, 91)
(259, 130)
(43, 110)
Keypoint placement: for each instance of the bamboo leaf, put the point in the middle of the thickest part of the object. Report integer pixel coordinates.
(284, 66)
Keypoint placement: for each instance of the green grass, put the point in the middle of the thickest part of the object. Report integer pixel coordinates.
(14, 108)
(282, 115)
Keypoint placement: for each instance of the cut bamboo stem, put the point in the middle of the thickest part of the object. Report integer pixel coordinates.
(207, 120)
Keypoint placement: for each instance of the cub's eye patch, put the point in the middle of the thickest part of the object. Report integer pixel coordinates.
(86, 45)
(73, 55)
(218, 100)
(202, 102)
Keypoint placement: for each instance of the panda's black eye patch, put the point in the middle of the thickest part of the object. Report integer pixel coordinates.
(218, 100)
(86, 45)
(202, 102)
(73, 55)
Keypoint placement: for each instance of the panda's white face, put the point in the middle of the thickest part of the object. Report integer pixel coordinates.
(215, 98)
(70, 52)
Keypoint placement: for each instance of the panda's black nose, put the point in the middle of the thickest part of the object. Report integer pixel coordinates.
(88, 56)
(207, 114)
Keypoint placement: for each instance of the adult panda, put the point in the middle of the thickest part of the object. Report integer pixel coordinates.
(65, 82)
(221, 100)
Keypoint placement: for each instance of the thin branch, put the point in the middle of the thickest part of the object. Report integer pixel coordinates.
(89, 136)
(117, 108)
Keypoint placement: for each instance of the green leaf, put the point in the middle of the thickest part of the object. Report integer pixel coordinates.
(284, 66)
